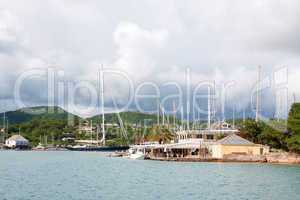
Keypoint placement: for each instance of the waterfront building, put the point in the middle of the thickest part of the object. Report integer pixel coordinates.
(235, 145)
(17, 141)
(213, 133)
(206, 149)
(86, 127)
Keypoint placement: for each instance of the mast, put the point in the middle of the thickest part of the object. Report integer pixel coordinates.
(214, 102)
(244, 116)
(208, 108)
(174, 114)
(102, 104)
(182, 117)
(258, 94)
(233, 117)
(168, 120)
(294, 97)
(163, 115)
(188, 98)
(6, 132)
(4, 129)
(278, 106)
(158, 106)
(199, 120)
(91, 127)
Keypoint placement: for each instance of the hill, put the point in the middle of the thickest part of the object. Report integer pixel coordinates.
(127, 117)
(43, 112)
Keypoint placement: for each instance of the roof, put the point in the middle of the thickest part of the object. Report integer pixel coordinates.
(234, 139)
(17, 137)
(208, 131)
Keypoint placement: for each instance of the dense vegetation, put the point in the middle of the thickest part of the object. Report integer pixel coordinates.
(40, 126)
(27, 114)
(275, 133)
(141, 127)
(127, 118)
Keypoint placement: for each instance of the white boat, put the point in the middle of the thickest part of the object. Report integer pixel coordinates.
(39, 147)
(136, 154)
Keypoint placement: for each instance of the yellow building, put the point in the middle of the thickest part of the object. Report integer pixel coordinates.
(236, 145)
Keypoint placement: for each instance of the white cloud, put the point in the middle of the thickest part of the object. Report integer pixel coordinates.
(138, 48)
(151, 40)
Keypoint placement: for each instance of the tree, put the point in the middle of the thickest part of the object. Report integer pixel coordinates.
(160, 134)
(272, 137)
(293, 141)
(251, 130)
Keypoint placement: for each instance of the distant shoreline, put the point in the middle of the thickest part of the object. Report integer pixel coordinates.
(273, 158)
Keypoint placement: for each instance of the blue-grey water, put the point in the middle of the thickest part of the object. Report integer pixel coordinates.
(82, 175)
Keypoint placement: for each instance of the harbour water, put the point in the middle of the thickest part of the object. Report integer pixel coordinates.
(91, 175)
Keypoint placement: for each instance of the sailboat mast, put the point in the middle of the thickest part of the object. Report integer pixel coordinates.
(294, 98)
(233, 117)
(188, 98)
(4, 120)
(174, 115)
(163, 115)
(158, 107)
(102, 104)
(182, 124)
(91, 127)
(258, 94)
(208, 108)
(4, 130)
(244, 116)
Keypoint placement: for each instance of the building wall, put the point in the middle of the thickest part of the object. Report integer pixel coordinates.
(15, 143)
(218, 151)
(10, 143)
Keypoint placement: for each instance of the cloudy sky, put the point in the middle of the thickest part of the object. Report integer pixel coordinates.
(149, 40)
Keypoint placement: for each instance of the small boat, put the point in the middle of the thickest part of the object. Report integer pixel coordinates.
(136, 154)
(39, 147)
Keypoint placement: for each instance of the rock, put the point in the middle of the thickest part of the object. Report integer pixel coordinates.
(284, 157)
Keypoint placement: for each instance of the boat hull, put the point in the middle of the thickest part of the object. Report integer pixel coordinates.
(104, 149)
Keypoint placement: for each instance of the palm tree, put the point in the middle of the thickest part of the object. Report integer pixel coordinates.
(160, 134)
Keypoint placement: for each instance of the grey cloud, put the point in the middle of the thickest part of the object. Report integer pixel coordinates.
(217, 40)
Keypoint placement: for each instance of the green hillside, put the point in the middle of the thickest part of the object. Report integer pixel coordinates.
(52, 123)
(127, 117)
(41, 112)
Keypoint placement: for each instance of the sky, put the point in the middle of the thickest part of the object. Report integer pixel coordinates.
(149, 41)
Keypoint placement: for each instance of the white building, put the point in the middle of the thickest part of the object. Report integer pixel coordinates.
(16, 141)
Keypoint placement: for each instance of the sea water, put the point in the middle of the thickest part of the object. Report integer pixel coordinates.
(91, 175)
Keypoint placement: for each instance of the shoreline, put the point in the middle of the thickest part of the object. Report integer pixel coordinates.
(227, 161)
(273, 158)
